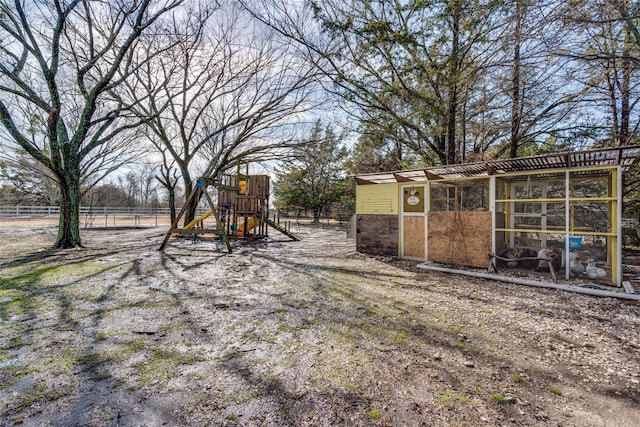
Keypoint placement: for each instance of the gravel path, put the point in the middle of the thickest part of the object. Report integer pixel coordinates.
(295, 333)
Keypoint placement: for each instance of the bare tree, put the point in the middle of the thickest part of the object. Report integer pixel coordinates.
(140, 184)
(435, 73)
(59, 60)
(228, 91)
(168, 177)
(516, 102)
(32, 182)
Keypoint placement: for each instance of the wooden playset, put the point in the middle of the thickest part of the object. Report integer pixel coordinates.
(239, 205)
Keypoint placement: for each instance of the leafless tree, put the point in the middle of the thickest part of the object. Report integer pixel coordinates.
(59, 61)
(406, 68)
(168, 176)
(32, 183)
(228, 91)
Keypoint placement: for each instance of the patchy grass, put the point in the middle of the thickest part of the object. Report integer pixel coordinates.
(450, 398)
(162, 366)
(14, 374)
(498, 398)
(120, 352)
(232, 417)
(36, 289)
(25, 277)
(400, 337)
(502, 399)
(374, 414)
(555, 390)
(41, 394)
(302, 332)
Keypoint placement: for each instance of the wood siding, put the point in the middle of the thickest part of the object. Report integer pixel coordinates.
(378, 199)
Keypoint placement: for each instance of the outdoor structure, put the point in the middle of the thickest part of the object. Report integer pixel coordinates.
(238, 206)
(514, 213)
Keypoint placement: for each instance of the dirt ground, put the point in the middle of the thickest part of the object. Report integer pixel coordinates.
(307, 333)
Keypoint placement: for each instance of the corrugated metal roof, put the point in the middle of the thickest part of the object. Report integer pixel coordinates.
(622, 156)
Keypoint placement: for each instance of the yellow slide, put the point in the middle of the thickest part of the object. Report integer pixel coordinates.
(193, 223)
(251, 224)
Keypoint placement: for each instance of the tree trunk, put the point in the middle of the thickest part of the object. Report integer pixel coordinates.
(441, 143)
(625, 91)
(613, 102)
(515, 82)
(69, 220)
(190, 212)
(452, 112)
(172, 204)
(451, 125)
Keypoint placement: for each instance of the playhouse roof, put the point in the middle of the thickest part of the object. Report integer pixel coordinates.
(540, 165)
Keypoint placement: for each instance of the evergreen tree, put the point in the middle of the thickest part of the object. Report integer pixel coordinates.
(315, 179)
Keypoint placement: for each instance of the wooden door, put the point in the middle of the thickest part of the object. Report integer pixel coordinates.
(413, 236)
(414, 205)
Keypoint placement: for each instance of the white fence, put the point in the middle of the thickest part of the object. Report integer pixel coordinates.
(90, 217)
(44, 211)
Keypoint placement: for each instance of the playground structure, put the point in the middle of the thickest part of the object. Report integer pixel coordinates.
(240, 210)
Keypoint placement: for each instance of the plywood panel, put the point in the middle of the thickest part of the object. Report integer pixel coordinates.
(461, 238)
(413, 236)
(377, 234)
